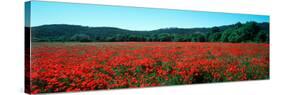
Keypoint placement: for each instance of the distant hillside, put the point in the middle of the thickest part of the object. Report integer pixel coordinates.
(247, 32)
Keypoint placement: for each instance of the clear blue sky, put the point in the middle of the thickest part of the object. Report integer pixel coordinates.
(130, 17)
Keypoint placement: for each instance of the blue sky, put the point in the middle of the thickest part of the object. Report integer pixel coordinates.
(130, 17)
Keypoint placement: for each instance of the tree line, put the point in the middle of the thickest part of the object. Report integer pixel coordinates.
(235, 33)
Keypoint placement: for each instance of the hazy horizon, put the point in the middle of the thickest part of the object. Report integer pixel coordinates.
(141, 30)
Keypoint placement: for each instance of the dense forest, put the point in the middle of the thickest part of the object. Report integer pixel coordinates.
(235, 33)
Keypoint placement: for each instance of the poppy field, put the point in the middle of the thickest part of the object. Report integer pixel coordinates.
(67, 67)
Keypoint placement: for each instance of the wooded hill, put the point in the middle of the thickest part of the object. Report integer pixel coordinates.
(236, 33)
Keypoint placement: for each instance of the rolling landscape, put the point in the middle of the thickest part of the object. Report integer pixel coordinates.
(80, 47)
(77, 58)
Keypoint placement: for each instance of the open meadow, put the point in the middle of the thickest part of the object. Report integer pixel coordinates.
(59, 67)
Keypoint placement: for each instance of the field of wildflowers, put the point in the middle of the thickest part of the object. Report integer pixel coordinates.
(60, 67)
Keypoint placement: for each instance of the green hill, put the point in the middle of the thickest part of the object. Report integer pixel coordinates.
(239, 32)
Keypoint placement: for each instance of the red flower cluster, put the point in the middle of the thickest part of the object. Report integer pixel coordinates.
(59, 67)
